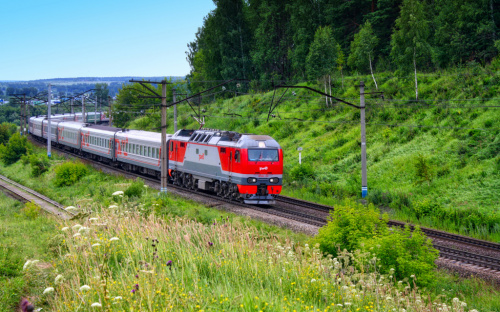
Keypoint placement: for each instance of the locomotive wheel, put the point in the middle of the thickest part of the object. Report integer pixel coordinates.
(224, 190)
(217, 188)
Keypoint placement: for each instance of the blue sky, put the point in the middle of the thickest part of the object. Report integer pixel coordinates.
(108, 38)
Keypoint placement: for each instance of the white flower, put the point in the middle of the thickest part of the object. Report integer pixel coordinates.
(59, 279)
(70, 208)
(76, 227)
(340, 305)
(347, 303)
(313, 280)
(93, 219)
(84, 230)
(463, 304)
(48, 290)
(113, 207)
(113, 239)
(412, 276)
(96, 245)
(64, 229)
(96, 305)
(118, 193)
(388, 298)
(26, 265)
(85, 288)
(77, 234)
(118, 298)
(146, 186)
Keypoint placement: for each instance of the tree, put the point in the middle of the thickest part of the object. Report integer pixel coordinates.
(16, 147)
(102, 92)
(410, 46)
(362, 48)
(322, 58)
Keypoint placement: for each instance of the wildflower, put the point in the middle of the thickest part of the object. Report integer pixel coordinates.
(48, 290)
(93, 219)
(84, 230)
(210, 244)
(133, 291)
(85, 288)
(463, 304)
(76, 227)
(113, 239)
(96, 245)
(456, 300)
(313, 280)
(26, 265)
(77, 234)
(169, 263)
(96, 305)
(70, 208)
(113, 207)
(137, 276)
(64, 229)
(26, 305)
(146, 186)
(412, 276)
(347, 303)
(59, 279)
(136, 286)
(118, 298)
(118, 193)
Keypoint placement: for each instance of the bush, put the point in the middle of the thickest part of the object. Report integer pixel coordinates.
(348, 226)
(30, 210)
(39, 164)
(135, 189)
(69, 173)
(302, 172)
(15, 149)
(408, 253)
(353, 226)
(6, 131)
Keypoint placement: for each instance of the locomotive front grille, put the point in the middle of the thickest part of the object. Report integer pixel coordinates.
(262, 189)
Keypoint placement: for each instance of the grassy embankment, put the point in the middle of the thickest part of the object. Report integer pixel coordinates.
(434, 163)
(219, 261)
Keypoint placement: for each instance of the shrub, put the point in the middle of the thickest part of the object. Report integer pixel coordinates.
(30, 210)
(135, 189)
(408, 253)
(15, 149)
(302, 172)
(354, 226)
(423, 169)
(348, 226)
(69, 173)
(39, 164)
(6, 131)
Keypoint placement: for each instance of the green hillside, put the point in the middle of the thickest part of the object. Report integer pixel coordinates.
(434, 162)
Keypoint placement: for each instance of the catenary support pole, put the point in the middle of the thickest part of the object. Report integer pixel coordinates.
(84, 120)
(23, 116)
(175, 109)
(95, 111)
(49, 129)
(71, 104)
(364, 186)
(164, 155)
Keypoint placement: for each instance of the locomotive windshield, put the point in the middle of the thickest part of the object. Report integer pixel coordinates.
(263, 155)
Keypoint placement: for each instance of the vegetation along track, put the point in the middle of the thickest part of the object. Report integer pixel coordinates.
(28, 195)
(487, 257)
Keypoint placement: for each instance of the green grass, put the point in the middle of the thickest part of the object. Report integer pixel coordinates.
(22, 239)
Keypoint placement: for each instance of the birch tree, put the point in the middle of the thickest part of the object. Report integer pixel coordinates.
(362, 50)
(410, 39)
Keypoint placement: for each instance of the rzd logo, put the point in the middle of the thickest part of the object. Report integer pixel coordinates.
(262, 168)
(201, 156)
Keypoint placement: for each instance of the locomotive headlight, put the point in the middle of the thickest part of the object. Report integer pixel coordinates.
(274, 180)
(252, 180)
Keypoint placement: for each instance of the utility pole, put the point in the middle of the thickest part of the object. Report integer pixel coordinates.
(364, 184)
(71, 104)
(175, 109)
(95, 111)
(23, 115)
(164, 155)
(100, 109)
(49, 130)
(84, 120)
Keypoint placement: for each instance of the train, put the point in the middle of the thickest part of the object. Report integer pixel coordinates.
(242, 167)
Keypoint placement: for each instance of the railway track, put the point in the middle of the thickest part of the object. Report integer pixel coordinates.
(23, 193)
(466, 257)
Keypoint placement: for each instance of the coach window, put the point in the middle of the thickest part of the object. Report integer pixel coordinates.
(206, 152)
(171, 145)
(237, 156)
(149, 151)
(197, 151)
(142, 150)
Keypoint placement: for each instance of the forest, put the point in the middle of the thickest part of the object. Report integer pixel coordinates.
(270, 41)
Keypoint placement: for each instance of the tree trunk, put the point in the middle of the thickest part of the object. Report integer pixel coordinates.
(371, 69)
(330, 85)
(415, 66)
